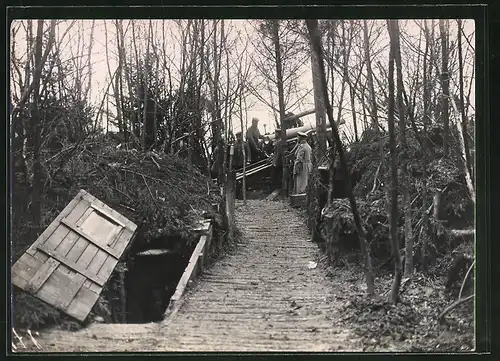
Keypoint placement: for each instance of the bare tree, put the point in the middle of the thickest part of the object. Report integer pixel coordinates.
(461, 93)
(293, 57)
(393, 211)
(315, 35)
(445, 81)
(36, 119)
(373, 100)
(426, 123)
(404, 151)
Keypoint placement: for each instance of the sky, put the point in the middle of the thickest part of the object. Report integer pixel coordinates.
(238, 28)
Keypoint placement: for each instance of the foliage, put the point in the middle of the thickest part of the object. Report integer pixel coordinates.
(337, 226)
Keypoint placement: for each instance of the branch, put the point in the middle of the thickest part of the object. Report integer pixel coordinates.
(454, 305)
(28, 91)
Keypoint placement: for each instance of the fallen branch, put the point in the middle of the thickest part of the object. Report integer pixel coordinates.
(35, 342)
(156, 163)
(375, 179)
(465, 279)
(462, 232)
(19, 338)
(149, 190)
(127, 207)
(454, 305)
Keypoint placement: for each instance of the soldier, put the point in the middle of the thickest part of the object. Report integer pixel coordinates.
(239, 147)
(303, 164)
(253, 136)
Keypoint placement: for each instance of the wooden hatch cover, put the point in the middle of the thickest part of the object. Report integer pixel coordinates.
(70, 262)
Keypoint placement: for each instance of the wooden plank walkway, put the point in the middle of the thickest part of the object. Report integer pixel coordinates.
(263, 297)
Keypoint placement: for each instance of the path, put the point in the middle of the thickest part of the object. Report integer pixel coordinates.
(261, 298)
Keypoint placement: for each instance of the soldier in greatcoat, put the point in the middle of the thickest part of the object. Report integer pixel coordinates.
(303, 164)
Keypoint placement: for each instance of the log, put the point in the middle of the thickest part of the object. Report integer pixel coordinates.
(273, 195)
(437, 204)
(465, 233)
(463, 153)
(454, 305)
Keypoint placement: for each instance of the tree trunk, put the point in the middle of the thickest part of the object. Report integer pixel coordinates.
(319, 104)
(373, 100)
(315, 37)
(36, 120)
(463, 153)
(445, 81)
(354, 120)
(393, 212)
(35, 126)
(281, 98)
(425, 146)
(462, 102)
(404, 150)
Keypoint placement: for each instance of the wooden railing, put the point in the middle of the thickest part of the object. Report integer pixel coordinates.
(196, 265)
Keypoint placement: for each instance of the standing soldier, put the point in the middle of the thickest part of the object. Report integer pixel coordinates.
(303, 164)
(253, 136)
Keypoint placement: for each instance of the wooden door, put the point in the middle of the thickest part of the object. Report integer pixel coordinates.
(70, 262)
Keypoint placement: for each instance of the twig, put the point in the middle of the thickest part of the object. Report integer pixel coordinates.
(465, 279)
(375, 179)
(453, 305)
(143, 175)
(34, 341)
(61, 152)
(149, 189)
(127, 207)
(154, 161)
(19, 338)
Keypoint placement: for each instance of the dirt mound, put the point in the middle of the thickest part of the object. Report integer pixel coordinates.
(163, 194)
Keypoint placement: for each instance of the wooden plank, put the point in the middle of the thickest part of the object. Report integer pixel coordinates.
(43, 273)
(191, 269)
(79, 210)
(82, 304)
(24, 270)
(88, 255)
(98, 261)
(54, 288)
(85, 215)
(93, 200)
(71, 290)
(107, 214)
(107, 268)
(68, 243)
(117, 238)
(56, 237)
(92, 286)
(73, 265)
(77, 250)
(89, 238)
(123, 240)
